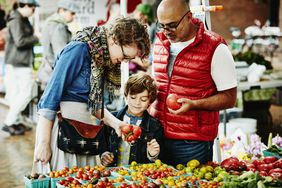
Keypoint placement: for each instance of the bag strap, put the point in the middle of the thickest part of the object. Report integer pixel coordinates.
(103, 88)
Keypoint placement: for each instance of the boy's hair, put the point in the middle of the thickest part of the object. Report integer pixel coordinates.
(137, 83)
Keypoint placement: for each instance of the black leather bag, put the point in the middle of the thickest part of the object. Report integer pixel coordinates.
(79, 138)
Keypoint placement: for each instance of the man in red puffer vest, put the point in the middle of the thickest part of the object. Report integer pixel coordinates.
(197, 66)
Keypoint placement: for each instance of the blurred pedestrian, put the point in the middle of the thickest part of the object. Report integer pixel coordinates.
(55, 36)
(19, 58)
(144, 13)
(2, 18)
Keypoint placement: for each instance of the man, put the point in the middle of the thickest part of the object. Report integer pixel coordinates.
(56, 35)
(197, 66)
(19, 59)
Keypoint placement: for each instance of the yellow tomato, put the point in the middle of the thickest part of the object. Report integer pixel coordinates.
(158, 162)
(171, 183)
(180, 167)
(133, 163)
(193, 163)
(209, 168)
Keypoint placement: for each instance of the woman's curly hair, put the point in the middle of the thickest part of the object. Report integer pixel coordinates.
(127, 31)
(139, 82)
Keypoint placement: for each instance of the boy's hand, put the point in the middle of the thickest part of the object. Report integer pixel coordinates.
(107, 158)
(153, 147)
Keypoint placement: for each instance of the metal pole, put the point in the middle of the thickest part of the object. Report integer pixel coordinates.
(207, 14)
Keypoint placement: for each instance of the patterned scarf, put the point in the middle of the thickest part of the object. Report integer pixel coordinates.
(104, 74)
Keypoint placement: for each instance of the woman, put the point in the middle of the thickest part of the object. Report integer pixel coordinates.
(82, 70)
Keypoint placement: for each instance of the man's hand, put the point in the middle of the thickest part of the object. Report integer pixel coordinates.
(187, 105)
(107, 158)
(153, 147)
(222, 100)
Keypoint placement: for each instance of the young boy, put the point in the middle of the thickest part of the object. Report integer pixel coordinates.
(140, 92)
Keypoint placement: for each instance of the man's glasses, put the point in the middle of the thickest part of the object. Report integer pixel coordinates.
(126, 58)
(171, 26)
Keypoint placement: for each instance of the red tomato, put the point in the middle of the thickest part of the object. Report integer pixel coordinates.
(242, 166)
(258, 162)
(252, 169)
(76, 182)
(126, 129)
(250, 165)
(134, 185)
(101, 184)
(276, 175)
(275, 170)
(130, 138)
(69, 179)
(123, 185)
(171, 102)
(263, 173)
(278, 163)
(269, 159)
(231, 163)
(62, 182)
(137, 131)
(263, 167)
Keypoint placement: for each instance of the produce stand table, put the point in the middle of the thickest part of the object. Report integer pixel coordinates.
(256, 109)
(259, 109)
(230, 172)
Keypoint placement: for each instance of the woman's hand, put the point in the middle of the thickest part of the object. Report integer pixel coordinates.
(153, 147)
(107, 158)
(118, 128)
(42, 152)
(113, 122)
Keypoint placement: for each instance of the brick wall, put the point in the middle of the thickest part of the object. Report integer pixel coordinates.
(238, 13)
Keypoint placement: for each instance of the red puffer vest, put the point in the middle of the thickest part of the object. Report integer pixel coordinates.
(190, 78)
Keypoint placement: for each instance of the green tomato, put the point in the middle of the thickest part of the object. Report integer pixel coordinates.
(217, 179)
(200, 175)
(209, 168)
(203, 170)
(222, 174)
(218, 168)
(188, 170)
(208, 176)
(180, 167)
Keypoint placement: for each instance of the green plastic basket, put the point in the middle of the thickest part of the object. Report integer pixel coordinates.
(37, 183)
(55, 180)
(268, 153)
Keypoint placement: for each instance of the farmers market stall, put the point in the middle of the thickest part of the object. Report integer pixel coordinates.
(232, 172)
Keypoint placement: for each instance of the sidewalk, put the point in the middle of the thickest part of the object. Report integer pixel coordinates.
(16, 155)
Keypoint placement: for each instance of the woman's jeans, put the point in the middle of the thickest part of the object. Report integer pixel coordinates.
(182, 151)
